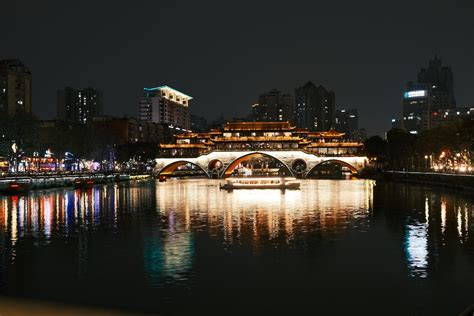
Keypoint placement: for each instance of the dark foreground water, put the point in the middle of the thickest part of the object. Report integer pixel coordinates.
(185, 247)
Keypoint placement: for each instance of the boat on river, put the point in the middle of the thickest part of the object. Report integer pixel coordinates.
(281, 183)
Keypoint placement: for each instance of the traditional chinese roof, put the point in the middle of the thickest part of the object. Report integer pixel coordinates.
(182, 146)
(193, 135)
(258, 126)
(325, 134)
(257, 139)
(344, 144)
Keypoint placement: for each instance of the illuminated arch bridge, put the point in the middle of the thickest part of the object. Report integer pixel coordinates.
(220, 164)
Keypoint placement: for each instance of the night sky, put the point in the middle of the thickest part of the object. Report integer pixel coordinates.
(226, 53)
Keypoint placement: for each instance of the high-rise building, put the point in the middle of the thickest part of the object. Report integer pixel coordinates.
(416, 108)
(274, 106)
(15, 88)
(433, 93)
(346, 121)
(165, 105)
(79, 106)
(440, 82)
(314, 107)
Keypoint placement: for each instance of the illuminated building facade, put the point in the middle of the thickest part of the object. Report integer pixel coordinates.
(79, 106)
(15, 88)
(416, 108)
(165, 105)
(274, 106)
(261, 136)
(314, 107)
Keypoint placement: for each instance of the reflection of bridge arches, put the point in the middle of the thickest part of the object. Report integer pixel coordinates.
(352, 168)
(237, 161)
(170, 168)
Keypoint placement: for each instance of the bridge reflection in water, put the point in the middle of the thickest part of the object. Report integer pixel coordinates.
(165, 231)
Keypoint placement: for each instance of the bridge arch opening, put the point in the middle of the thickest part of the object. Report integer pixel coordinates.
(183, 168)
(215, 165)
(257, 164)
(299, 165)
(333, 169)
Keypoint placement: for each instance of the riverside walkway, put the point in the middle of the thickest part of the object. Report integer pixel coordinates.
(457, 181)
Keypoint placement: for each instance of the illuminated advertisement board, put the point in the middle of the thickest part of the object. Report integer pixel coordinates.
(415, 94)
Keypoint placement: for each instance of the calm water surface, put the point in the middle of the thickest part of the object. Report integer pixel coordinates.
(334, 247)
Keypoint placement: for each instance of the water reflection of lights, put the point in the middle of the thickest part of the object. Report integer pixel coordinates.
(186, 207)
(319, 205)
(443, 216)
(177, 252)
(43, 213)
(423, 234)
(47, 216)
(416, 247)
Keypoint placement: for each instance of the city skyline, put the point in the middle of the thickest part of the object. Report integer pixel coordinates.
(366, 66)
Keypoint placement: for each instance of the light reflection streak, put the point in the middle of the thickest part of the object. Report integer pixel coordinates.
(47, 217)
(443, 216)
(416, 247)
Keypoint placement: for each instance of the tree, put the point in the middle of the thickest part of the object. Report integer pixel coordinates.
(376, 147)
(401, 149)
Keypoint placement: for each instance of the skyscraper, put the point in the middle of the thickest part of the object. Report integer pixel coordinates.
(274, 106)
(314, 107)
(346, 121)
(79, 106)
(15, 88)
(165, 105)
(416, 107)
(433, 93)
(440, 82)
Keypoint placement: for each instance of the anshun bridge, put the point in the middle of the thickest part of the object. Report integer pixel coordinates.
(295, 152)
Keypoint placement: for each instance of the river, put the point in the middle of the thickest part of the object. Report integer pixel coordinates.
(333, 247)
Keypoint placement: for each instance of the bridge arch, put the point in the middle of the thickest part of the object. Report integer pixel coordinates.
(352, 168)
(171, 167)
(228, 170)
(299, 165)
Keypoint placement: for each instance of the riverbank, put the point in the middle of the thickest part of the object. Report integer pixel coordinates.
(461, 182)
(47, 181)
